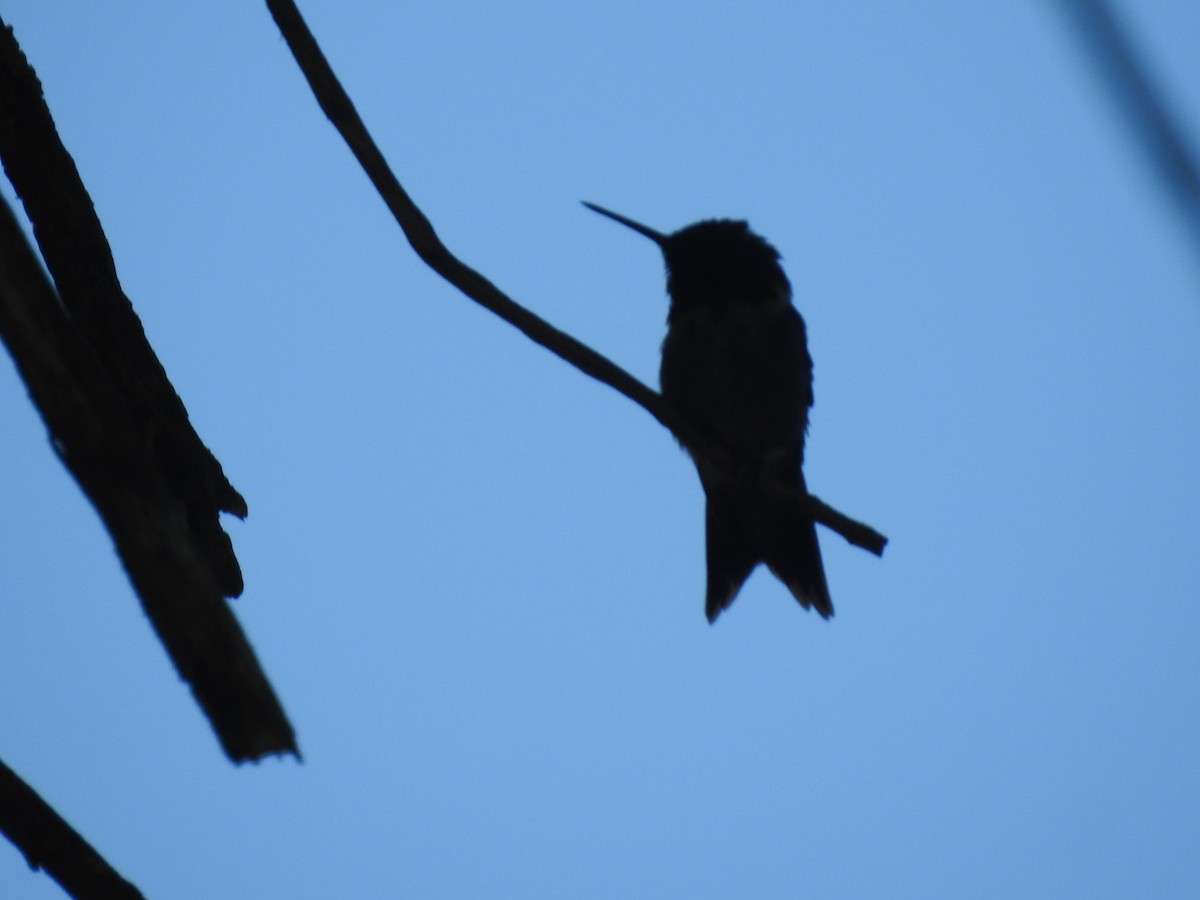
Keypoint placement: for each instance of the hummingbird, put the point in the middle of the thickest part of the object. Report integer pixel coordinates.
(735, 365)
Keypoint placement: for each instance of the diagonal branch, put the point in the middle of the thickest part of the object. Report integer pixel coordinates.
(97, 438)
(118, 426)
(338, 107)
(1144, 105)
(48, 842)
(79, 259)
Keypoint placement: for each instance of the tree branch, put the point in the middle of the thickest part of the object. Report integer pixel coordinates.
(338, 107)
(49, 843)
(98, 440)
(118, 426)
(1143, 104)
(79, 259)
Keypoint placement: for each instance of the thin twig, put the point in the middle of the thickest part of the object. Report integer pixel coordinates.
(338, 107)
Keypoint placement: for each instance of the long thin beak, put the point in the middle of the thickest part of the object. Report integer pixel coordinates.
(657, 236)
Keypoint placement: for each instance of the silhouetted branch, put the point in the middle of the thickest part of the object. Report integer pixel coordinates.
(50, 844)
(79, 259)
(1145, 108)
(338, 107)
(118, 426)
(99, 441)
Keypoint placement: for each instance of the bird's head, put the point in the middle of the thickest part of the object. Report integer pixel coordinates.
(715, 262)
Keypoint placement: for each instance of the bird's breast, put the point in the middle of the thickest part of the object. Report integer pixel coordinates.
(741, 373)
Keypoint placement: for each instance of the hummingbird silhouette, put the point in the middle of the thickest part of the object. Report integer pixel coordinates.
(735, 365)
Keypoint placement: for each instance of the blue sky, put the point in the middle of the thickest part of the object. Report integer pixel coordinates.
(476, 578)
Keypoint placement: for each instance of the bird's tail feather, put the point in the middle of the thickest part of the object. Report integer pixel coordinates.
(796, 561)
(742, 531)
(731, 556)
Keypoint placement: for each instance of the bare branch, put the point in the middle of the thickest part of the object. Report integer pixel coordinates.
(98, 440)
(116, 423)
(49, 843)
(338, 107)
(79, 259)
(1144, 105)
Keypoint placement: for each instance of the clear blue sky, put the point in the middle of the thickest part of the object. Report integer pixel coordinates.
(476, 578)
